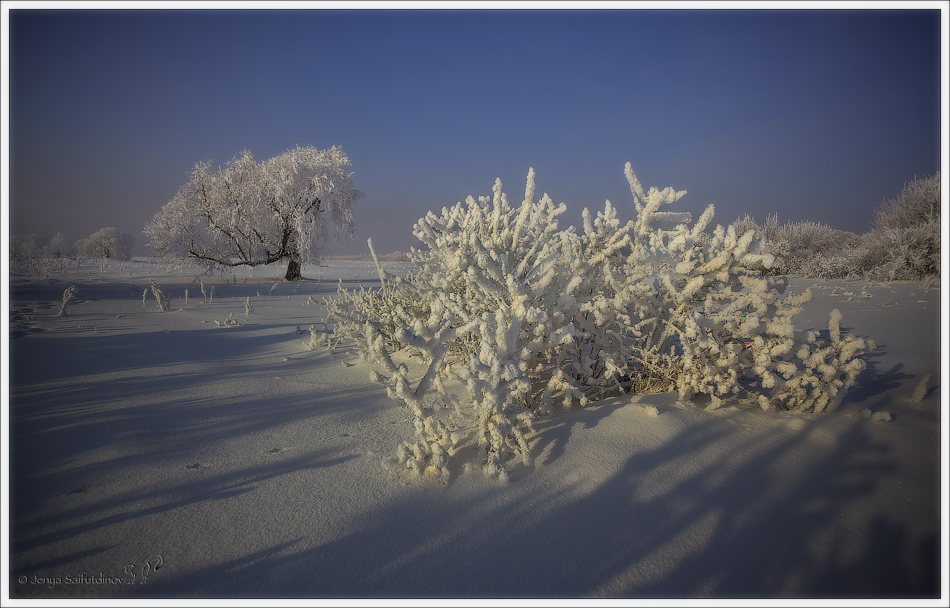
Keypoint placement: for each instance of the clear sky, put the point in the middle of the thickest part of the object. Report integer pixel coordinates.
(811, 114)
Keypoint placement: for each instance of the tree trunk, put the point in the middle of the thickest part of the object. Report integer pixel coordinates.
(293, 271)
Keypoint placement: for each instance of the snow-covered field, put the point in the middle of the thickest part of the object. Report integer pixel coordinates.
(229, 460)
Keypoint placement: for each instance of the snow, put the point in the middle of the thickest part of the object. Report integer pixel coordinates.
(249, 458)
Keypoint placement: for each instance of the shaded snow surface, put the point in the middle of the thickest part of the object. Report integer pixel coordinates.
(251, 464)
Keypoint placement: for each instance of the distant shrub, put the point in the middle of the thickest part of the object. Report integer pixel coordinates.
(918, 203)
(905, 240)
(904, 243)
(808, 248)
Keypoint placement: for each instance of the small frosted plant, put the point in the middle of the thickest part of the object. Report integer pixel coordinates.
(273, 289)
(248, 308)
(68, 296)
(186, 297)
(379, 269)
(229, 322)
(921, 390)
(163, 303)
(317, 339)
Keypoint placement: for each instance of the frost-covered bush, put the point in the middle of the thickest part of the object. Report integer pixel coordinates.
(318, 339)
(68, 296)
(507, 317)
(810, 249)
(905, 240)
(918, 203)
(160, 297)
(904, 243)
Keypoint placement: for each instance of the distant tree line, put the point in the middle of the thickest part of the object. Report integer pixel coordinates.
(29, 256)
(903, 243)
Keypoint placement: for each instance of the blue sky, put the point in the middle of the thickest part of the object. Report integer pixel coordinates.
(811, 114)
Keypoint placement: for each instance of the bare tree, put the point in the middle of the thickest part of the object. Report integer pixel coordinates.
(253, 213)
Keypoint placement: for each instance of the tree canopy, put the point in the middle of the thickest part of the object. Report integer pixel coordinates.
(105, 244)
(252, 213)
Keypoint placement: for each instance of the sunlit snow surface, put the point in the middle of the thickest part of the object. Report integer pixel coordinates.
(251, 463)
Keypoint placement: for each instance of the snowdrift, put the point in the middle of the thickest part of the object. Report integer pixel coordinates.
(174, 454)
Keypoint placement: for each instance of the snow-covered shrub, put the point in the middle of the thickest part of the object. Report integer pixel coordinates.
(68, 296)
(229, 322)
(318, 339)
(905, 240)
(719, 328)
(530, 317)
(163, 302)
(908, 254)
(904, 243)
(920, 391)
(810, 249)
(918, 203)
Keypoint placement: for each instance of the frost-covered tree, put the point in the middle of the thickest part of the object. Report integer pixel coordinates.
(253, 213)
(23, 249)
(27, 256)
(526, 317)
(107, 244)
(58, 247)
